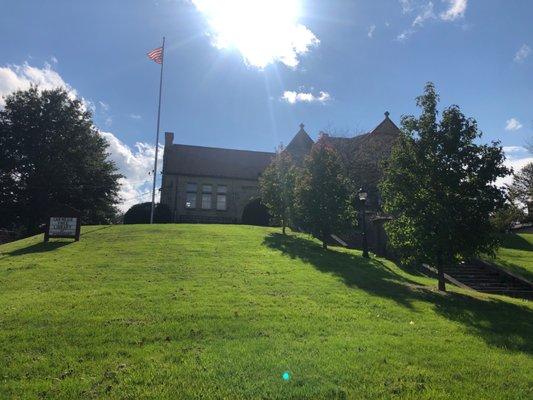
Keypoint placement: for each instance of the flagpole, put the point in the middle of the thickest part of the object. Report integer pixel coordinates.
(157, 134)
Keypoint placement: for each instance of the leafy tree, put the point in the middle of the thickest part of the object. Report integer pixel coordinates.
(504, 218)
(323, 201)
(51, 153)
(439, 185)
(140, 214)
(521, 189)
(276, 185)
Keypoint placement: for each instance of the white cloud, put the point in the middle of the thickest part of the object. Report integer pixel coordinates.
(263, 31)
(403, 36)
(517, 158)
(511, 151)
(135, 116)
(407, 6)
(513, 125)
(522, 53)
(456, 9)
(15, 77)
(54, 60)
(104, 106)
(292, 97)
(371, 31)
(426, 12)
(136, 165)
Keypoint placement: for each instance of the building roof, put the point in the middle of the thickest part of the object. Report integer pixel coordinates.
(215, 162)
(384, 134)
(301, 144)
(244, 164)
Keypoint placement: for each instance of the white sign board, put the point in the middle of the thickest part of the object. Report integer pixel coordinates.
(63, 226)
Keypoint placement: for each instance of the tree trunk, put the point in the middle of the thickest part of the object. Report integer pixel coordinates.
(283, 227)
(324, 244)
(442, 281)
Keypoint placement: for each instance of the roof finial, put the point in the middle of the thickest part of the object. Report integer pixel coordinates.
(302, 125)
(387, 114)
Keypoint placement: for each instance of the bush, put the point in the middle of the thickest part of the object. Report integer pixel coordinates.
(140, 214)
(256, 213)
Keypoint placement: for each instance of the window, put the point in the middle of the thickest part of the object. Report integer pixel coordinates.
(206, 196)
(221, 197)
(190, 201)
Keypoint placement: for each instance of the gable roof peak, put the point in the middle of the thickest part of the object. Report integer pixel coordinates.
(387, 126)
(300, 144)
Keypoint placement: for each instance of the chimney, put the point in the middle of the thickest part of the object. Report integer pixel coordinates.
(169, 138)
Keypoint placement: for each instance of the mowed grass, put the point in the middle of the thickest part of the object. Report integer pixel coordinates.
(221, 312)
(516, 254)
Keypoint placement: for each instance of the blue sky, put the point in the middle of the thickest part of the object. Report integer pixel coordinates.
(245, 77)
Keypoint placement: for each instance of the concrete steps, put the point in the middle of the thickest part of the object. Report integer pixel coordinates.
(487, 278)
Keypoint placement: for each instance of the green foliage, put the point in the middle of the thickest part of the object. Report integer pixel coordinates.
(440, 187)
(140, 214)
(521, 189)
(504, 218)
(323, 201)
(276, 186)
(50, 153)
(183, 311)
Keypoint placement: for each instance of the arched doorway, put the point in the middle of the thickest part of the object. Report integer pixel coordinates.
(255, 213)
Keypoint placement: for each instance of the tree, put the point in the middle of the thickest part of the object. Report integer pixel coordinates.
(276, 186)
(140, 214)
(521, 189)
(439, 186)
(323, 201)
(50, 153)
(504, 218)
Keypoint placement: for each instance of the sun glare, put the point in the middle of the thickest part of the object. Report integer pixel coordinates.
(263, 31)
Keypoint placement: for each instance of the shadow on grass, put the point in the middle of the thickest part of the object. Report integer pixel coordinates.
(512, 267)
(39, 248)
(497, 322)
(517, 242)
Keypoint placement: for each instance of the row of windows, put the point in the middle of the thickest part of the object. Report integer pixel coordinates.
(207, 197)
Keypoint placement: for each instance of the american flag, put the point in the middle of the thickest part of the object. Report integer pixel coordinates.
(156, 55)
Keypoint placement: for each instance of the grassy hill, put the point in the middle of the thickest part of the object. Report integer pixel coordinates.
(516, 254)
(221, 312)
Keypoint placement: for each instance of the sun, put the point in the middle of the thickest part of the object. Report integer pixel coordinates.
(263, 31)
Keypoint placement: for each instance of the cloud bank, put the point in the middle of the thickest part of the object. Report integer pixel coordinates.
(21, 77)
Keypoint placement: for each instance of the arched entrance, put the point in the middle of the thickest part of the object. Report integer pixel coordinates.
(255, 213)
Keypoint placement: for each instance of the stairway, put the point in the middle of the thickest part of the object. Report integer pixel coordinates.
(487, 278)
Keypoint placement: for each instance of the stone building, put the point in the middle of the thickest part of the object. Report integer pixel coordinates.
(208, 184)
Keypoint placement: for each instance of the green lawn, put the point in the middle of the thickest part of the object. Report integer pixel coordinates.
(516, 254)
(221, 312)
